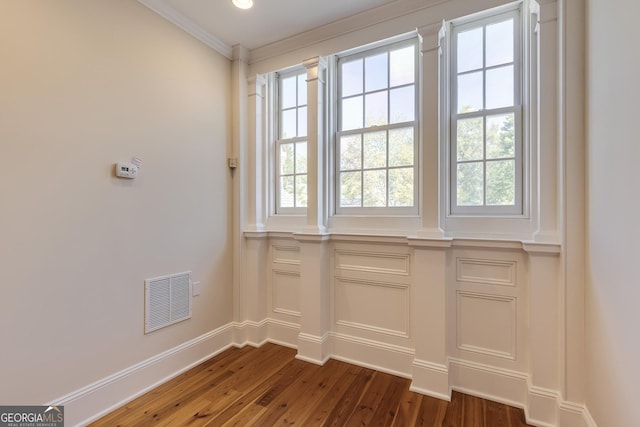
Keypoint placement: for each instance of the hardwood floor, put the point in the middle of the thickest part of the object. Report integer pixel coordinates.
(267, 386)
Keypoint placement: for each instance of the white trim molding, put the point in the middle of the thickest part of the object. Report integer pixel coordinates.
(95, 400)
(162, 8)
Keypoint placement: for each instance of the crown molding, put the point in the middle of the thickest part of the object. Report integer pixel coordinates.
(341, 27)
(172, 15)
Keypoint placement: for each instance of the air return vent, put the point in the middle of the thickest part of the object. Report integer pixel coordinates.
(167, 300)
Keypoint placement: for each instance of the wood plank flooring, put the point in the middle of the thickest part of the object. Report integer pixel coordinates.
(267, 386)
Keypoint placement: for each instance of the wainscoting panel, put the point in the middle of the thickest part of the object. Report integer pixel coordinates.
(486, 271)
(285, 254)
(283, 300)
(285, 295)
(487, 307)
(373, 262)
(371, 294)
(377, 307)
(486, 324)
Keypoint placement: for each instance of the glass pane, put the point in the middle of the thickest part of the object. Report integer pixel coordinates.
(375, 188)
(500, 87)
(288, 92)
(470, 186)
(301, 157)
(350, 189)
(501, 183)
(501, 136)
(376, 109)
(499, 43)
(288, 124)
(350, 152)
(401, 147)
(402, 68)
(470, 92)
(375, 150)
(403, 105)
(286, 192)
(301, 191)
(286, 159)
(302, 121)
(469, 50)
(352, 113)
(469, 139)
(376, 72)
(302, 89)
(401, 187)
(352, 77)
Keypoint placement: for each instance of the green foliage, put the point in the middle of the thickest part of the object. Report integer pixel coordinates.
(373, 185)
(489, 175)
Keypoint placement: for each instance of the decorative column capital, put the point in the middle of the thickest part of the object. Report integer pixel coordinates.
(256, 85)
(240, 53)
(314, 67)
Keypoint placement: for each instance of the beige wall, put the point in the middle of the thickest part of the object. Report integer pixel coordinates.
(84, 84)
(613, 288)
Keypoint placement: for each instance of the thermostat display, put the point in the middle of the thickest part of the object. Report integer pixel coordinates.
(126, 170)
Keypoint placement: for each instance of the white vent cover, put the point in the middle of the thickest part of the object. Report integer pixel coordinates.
(167, 300)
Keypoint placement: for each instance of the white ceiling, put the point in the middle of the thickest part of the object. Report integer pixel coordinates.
(222, 24)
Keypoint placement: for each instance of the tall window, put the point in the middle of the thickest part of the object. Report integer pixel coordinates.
(376, 149)
(486, 116)
(291, 145)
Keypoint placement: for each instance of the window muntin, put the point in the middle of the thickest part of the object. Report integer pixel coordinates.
(486, 111)
(376, 142)
(291, 144)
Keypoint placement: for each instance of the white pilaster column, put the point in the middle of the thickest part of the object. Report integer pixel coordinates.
(429, 130)
(236, 151)
(430, 373)
(250, 242)
(256, 166)
(313, 340)
(316, 145)
(545, 331)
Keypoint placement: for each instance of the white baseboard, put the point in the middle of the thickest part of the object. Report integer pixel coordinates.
(375, 355)
(313, 349)
(574, 415)
(283, 333)
(93, 401)
(543, 407)
(588, 419)
(249, 332)
(488, 382)
(430, 379)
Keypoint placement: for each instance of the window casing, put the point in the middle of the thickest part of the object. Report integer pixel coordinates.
(376, 144)
(486, 84)
(291, 143)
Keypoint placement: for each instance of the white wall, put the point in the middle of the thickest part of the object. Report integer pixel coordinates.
(613, 291)
(83, 84)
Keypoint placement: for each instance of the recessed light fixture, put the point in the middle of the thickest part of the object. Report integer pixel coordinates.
(243, 4)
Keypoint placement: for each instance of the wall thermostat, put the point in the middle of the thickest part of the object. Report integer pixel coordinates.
(126, 170)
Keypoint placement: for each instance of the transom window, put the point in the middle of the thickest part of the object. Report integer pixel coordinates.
(376, 150)
(486, 110)
(291, 145)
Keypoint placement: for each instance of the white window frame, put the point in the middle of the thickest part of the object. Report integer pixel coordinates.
(337, 113)
(279, 141)
(520, 208)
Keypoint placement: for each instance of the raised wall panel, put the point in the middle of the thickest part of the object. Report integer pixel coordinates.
(372, 306)
(285, 254)
(285, 298)
(374, 262)
(490, 272)
(486, 324)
